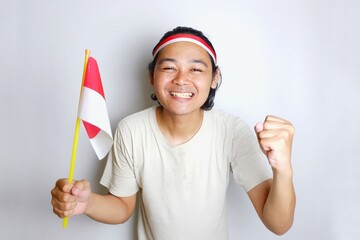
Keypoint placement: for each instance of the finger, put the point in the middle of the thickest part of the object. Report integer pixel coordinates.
(61, 196)
(64, 185)
(275, 144)
(259, 127)
(61, 213)
(275, 119)
(63, 209)
(268, 125)
(64, 197)
(268, 134)
(273, 133)
(63, 206)
(265, 144)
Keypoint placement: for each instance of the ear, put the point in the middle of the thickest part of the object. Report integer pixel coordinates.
(216, 78)
(151, 77)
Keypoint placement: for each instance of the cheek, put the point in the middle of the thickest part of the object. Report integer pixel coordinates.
(161, 78)
(155, 80)
(158, 84)
(203, 85)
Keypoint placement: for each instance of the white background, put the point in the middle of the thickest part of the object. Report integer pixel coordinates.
(296, 59)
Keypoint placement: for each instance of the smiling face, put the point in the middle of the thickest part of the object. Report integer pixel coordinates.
(182, 77)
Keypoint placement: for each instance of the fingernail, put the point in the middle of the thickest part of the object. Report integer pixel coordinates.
(75, 191)
(259, 127)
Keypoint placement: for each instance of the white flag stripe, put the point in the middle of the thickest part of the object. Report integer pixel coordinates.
(101, 144)
(92, 109)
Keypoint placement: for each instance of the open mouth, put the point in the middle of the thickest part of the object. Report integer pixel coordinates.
(181, 94)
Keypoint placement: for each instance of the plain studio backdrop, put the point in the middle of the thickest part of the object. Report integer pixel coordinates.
(299, 60)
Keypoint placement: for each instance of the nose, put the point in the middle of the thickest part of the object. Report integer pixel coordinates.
(181, 78)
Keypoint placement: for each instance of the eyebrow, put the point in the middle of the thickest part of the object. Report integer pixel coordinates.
(199, 61)
(175, 61)
(166, 60)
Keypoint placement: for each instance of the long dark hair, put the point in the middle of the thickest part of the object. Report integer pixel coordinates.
(208, 105)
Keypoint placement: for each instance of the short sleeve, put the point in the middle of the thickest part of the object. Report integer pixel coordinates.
(119, 174)
(249, 165)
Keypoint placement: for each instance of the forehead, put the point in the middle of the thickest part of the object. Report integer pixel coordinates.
(184, 50)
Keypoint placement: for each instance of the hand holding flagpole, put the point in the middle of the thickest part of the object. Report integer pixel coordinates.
(76, 134)
(92, 111)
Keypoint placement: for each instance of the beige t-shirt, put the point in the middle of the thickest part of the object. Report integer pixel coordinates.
(182, 189)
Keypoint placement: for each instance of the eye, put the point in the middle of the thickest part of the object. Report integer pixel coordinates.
(197, 70)
(168, 68)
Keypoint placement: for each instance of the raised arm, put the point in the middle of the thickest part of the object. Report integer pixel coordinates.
(69, 199)
(274, 200)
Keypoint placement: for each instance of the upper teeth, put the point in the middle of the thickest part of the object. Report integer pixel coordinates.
(181, 95)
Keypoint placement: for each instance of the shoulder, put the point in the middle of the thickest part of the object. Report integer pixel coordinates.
(137, 118)
(231, 126)
(135, 123)
(227, 120)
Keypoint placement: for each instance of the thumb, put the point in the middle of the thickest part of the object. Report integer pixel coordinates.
(259, 127)
(82, 191)
(79, 187)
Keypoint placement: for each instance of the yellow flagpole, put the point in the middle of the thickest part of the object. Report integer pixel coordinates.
(76, 134)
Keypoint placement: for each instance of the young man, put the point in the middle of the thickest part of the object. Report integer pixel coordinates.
(178, 157)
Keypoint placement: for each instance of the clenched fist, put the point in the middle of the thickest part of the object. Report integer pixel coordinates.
(275, 136)
(70, 199)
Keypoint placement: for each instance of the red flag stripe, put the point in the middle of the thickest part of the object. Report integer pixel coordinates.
(91, 130)
(92, 78)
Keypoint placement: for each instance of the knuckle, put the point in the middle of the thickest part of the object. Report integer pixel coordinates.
(59, 213)
(292, 129)
(261, 135)
(53, 203)
(67, 213)
(70, 206)
(53, 192)
(63, 185)
(85, 182)
(65, 198)
(284, 133)
(268, 117)
(60, 182)
(266, 124)
(55, 211)
(66, 206)
(263, 143)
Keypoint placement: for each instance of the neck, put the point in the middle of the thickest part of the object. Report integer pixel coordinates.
(178, 129)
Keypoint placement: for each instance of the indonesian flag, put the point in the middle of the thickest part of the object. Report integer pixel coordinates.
(93, 112)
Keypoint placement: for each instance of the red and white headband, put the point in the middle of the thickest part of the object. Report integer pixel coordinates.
(183, 37)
